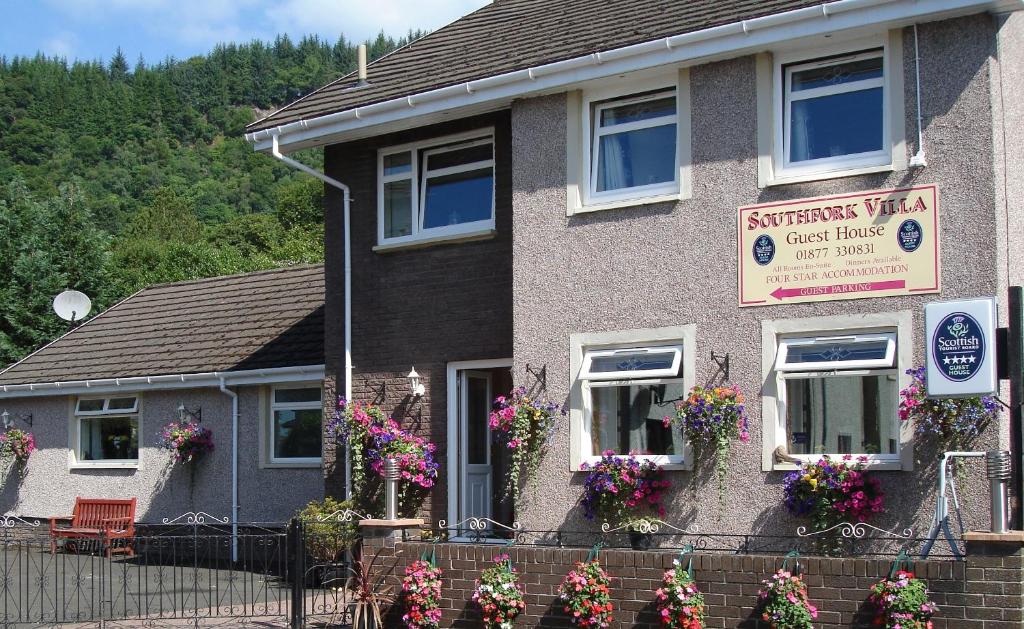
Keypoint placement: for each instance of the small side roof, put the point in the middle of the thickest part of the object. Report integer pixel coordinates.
(262, 320)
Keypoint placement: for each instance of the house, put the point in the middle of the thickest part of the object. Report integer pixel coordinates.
(699, 189)
(97, 397)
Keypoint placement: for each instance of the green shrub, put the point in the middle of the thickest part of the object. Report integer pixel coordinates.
(327, 535)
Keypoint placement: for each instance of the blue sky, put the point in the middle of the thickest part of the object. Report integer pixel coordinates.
(93, 29)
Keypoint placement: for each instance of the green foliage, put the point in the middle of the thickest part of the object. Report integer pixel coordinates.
(330, 531)
(300, 203)
(901, 602)
(784, 603)
(113, 178)
(45, 248)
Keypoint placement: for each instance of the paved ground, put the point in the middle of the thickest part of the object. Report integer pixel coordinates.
(37, 588)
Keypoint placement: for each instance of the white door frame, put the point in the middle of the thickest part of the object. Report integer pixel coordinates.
(453, 426)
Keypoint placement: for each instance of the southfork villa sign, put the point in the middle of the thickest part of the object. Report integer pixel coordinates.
(867, 244)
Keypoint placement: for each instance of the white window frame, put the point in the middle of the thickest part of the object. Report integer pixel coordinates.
(271, 431)
(776, 333)
(106, 410)
(597, 132)
(75, 460)
(774, 72)
(839, 162)
(417, 188)
(882, 363)
(580, 400)
(668, 372)
(582, 141)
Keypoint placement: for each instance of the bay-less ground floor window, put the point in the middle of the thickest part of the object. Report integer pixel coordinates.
(106, 430)
(296, 418)
(626, 417)
(832, 387)
(624, 385)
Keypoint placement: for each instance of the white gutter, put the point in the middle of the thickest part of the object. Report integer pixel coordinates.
(276, 152)
(234, 468)
(720, 41)
(164, 381)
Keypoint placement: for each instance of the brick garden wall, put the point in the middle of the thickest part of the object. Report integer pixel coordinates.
(983, 592)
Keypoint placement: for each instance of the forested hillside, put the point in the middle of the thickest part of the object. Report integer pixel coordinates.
(115, 176)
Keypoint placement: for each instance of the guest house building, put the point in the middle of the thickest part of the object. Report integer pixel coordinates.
(611, 202)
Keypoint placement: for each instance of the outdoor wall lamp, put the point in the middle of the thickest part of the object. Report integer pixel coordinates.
(195, 414)
(414, 383)
(8, 419)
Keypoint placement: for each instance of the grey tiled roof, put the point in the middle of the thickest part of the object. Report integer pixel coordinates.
(509, 35)
(238, 322)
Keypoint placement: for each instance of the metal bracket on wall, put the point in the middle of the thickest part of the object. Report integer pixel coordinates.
(721, 365)
(379, 395)
(193, 414)
(540, 375)
(8, 419)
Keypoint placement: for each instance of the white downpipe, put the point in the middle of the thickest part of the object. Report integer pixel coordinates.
(276, 152)
(918, 160)
(234, 467)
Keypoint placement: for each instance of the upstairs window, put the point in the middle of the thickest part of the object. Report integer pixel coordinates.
(108, 429)
(840, 394)
(435, 190)
(633, 146)
(834, 114)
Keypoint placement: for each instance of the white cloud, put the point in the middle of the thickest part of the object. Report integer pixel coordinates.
(360, 20)
(184, 27)
(62, 44)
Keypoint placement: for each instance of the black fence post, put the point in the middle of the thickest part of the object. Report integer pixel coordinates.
(298, 548)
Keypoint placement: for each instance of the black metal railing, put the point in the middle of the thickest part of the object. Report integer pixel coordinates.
(191, 571)
(855, 541)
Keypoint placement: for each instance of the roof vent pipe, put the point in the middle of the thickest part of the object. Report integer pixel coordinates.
(361, 62)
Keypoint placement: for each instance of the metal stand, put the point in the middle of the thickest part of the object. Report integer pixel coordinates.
(941, 521)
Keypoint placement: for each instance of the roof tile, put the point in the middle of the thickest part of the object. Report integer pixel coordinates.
(252, 321)
(509, 35)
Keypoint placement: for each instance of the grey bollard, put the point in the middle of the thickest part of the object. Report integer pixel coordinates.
(392, 473)
(997, 466)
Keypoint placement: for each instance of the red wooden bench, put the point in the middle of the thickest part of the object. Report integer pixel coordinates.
(100, 519)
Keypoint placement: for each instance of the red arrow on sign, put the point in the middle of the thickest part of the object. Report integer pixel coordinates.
(837, 289)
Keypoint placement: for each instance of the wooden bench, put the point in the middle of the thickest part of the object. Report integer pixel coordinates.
(100, 519)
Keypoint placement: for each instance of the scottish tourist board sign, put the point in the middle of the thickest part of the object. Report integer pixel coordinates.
(866, 244)
(961, 347)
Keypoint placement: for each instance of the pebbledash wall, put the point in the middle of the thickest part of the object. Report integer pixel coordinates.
(983, 592)
(411, 307)
(48, 486)
(674, 264)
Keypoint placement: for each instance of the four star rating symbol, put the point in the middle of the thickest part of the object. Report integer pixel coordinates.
(959, 360)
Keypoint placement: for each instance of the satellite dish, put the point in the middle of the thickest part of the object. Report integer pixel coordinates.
(72, 305)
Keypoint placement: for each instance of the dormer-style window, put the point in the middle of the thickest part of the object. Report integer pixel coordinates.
(436, 190)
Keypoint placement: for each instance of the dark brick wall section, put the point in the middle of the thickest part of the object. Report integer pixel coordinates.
(424, 307)
(983, 592)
